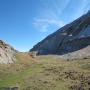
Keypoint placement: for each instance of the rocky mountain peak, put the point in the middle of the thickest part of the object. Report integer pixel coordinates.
(70, 38)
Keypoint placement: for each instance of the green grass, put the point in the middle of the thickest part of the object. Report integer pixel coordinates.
(46, 73)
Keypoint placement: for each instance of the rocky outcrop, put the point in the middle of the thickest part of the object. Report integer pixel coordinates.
(6, 53)
(68, 39)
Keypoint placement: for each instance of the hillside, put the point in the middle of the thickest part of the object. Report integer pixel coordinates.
(6, 53)
(68, 39)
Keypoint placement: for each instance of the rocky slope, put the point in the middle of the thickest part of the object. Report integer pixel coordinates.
(6, 53)
(69, 39)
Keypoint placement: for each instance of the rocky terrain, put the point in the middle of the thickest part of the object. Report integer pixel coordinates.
(6, 53)
(69, 41)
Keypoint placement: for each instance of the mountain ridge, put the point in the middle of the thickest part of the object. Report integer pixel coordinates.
(59, 41)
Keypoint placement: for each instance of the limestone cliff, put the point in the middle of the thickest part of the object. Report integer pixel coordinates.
(6, 53)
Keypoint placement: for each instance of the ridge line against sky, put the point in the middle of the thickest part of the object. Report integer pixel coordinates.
(23, 23)
(44, 21)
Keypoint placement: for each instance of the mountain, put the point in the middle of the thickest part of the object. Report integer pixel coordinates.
(70, 40)
(6, 53)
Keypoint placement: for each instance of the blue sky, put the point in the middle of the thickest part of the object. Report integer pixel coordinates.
(23, 23)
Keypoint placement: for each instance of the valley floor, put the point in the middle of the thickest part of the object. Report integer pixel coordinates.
(46, 73)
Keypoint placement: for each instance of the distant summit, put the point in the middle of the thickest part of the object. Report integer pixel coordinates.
(6, 53)
(67, 40)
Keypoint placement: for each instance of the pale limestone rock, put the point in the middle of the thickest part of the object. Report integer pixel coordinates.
(6, 53)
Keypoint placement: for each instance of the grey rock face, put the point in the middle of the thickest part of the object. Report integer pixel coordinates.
(68, 39)
(83, 53)
(6, 53)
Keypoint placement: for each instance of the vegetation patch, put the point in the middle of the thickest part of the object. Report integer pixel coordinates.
(46, 73)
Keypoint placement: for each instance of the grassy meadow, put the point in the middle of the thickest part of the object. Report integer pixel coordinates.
(46, 73)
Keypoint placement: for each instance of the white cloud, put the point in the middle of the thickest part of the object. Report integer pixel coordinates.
(50, 16)
(41, 26)
(50, 13)
(44, 24)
